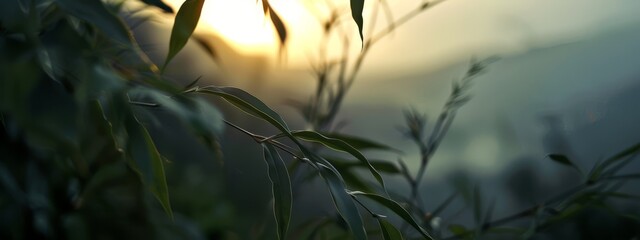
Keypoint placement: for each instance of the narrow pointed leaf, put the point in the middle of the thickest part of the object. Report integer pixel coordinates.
(627, 152)
(95, 12)
(564, 160)
(279, 26)
(357, 6)
(148, 163)
(207, 46)
(353, 181)
(281, 189)
(338, 145)
(266, 7)
(343, 201)
(598, 169)
(361, 143)
(184, 25)
(159, 4)
(397, 209)
(249, 104)
(389, 232)
(192, 83)
(202, 117)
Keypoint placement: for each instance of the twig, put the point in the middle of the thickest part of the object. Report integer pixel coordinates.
(260, 139)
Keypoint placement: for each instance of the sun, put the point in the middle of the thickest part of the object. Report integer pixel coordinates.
(243, 24)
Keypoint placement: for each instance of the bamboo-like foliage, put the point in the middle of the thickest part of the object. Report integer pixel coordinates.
(75, 91)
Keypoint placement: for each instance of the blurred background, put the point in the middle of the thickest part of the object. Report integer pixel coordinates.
(567, 82)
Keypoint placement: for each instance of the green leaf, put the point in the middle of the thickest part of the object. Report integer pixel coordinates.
(281, 189)
(389, 232)
(598, 169)
(564, 160)
(199, 115)
(249, 104)
(361, 143)
(147, 162)
(620, 156)
(352, 180)
(356, 12)
(380, 165)
(343, 201)
(186, 22)
(160, 4)
(397, 209)
(338, 145)
(95, 12)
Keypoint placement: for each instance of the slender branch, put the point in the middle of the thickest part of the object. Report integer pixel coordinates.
(528, 212)
(260, 139)
(404, 19)
(375, 215)
(345, 83)
(144, 104)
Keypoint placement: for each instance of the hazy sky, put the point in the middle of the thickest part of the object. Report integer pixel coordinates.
(546, 81)
(454, 29)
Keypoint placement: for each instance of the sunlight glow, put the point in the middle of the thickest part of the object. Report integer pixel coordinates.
(243, 24)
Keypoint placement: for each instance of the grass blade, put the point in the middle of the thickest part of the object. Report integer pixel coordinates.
(564, 160)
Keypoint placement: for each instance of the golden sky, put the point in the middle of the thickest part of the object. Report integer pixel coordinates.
(453, 30)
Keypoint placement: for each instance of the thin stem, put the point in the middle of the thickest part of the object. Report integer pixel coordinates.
(404, 19)
(344, 84)
(375, 215)
(144, 104)
(528, 212)
(260, 139)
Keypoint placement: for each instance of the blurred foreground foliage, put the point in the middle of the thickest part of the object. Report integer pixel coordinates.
(78, 159)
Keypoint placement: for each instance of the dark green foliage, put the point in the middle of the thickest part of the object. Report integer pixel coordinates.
(338, 145)
(344, 204)
(79, 158)
(564, 160)
(389, 232)
(75, 90)
(282, 199)
(357, 6)
(396, 208)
